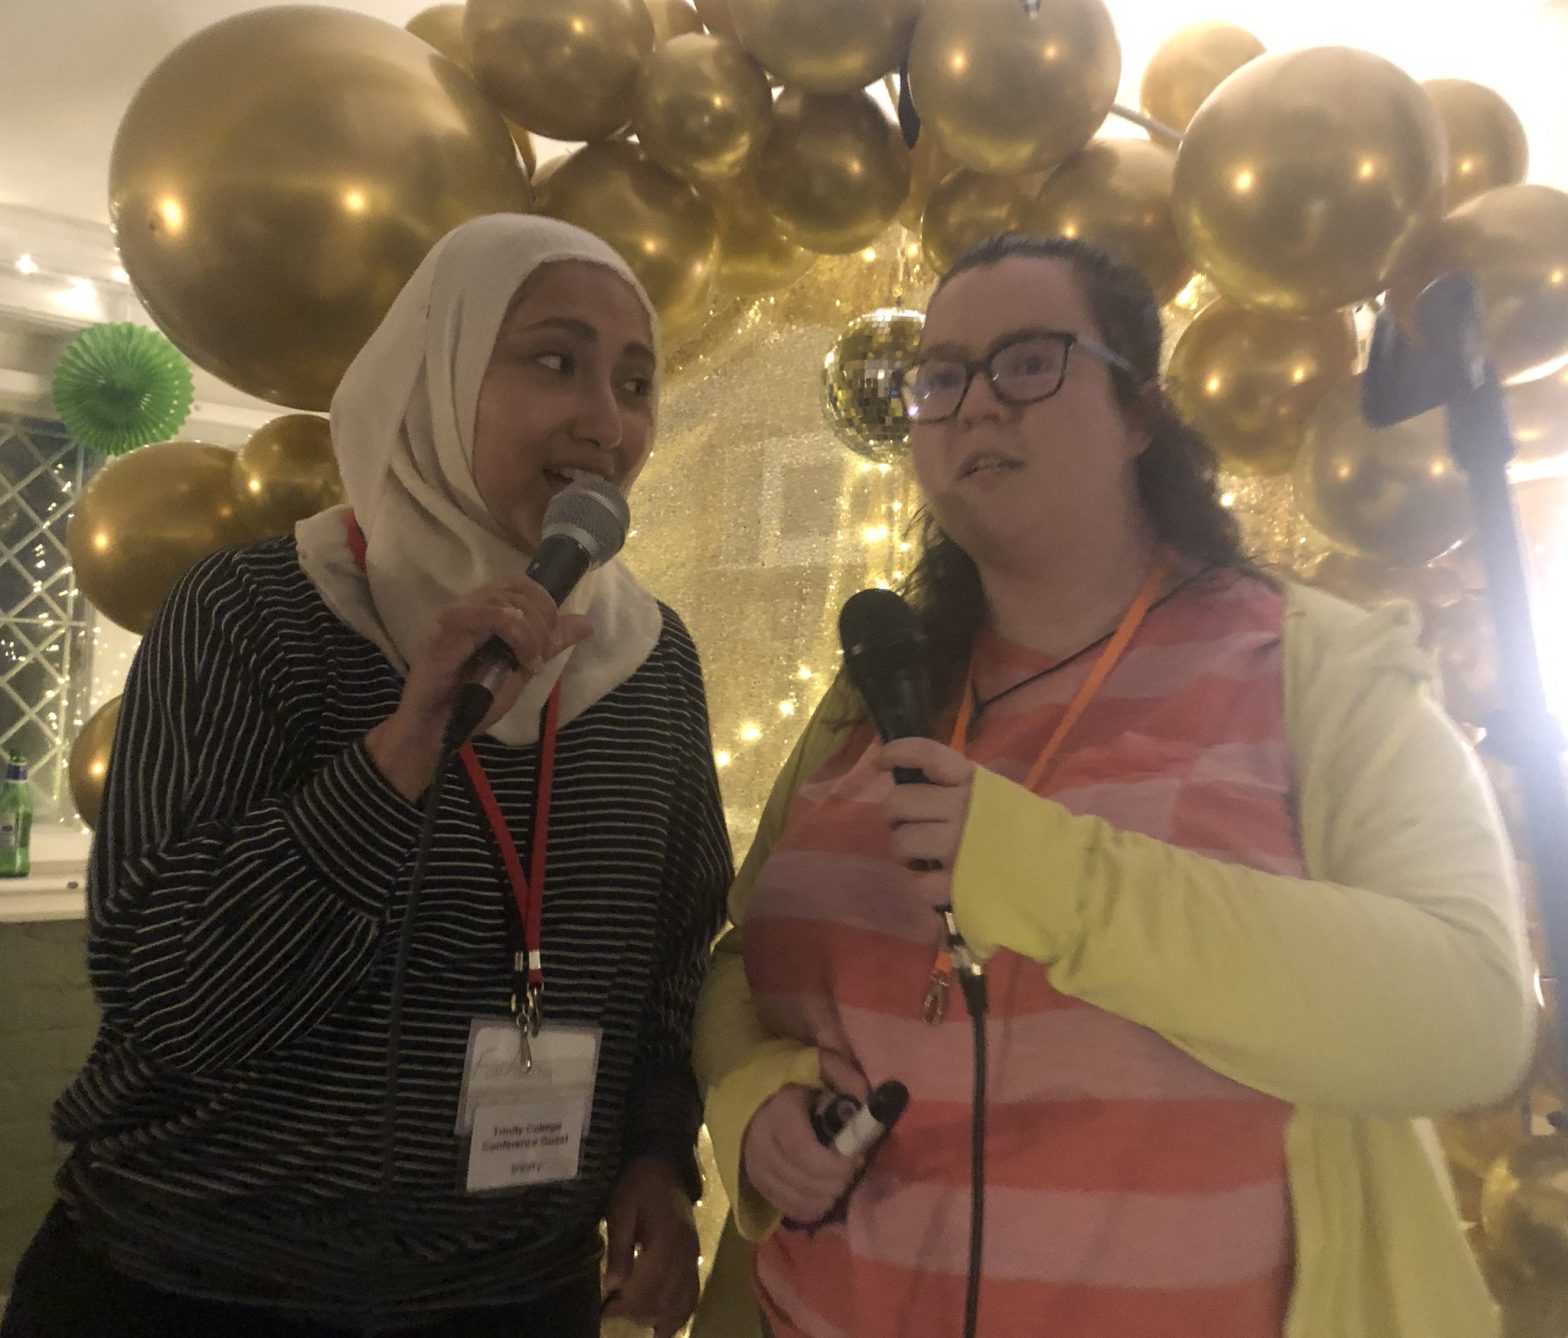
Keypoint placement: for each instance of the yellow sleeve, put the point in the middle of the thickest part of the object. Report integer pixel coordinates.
(1393, 983)
(739, 1063)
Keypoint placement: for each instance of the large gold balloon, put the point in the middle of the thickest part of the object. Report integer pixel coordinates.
(861, 377)
(1389, 493)
(1191, 64)
(1473, 1141)
(703, 107)
(672, 18)
(89, 763)
(716, 15)
(1524, 1207)
(1371, 584)
(278, 177)
(563, 68)
(833, 170)
(1011, 88)
(1538, 413)
(1249, 380)
(145, 518)
(1303, 173)
(442, 27)
(662, 228)
(285, 472)
(1513, 241)
(1116, 193)
(967, 208)
(826, 46)
(755, 257)
(1486, 141)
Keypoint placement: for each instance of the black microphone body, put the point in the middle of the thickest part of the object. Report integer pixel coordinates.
(885, 658)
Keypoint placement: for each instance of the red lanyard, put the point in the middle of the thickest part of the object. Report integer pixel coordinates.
(934, 1005)
(527, 888)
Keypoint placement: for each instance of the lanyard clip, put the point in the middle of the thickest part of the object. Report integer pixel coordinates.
(529, 1016)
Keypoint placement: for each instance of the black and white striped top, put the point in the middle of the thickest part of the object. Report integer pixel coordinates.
(247, 885)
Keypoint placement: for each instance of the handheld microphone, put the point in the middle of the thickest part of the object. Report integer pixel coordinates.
(843, 1124)
(885, 658)
(584, 527)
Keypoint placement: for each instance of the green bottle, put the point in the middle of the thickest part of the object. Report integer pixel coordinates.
(16, 819)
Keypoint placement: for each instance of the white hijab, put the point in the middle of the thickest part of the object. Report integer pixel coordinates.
(403, 433)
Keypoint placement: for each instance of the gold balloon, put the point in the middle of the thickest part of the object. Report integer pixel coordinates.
(861, 377)
(1513, 241)
(1460, 638)
(662, 228)
(1116, 193)
(929, 166)
(826, 46)
(278, 177)
(755, 257)
(1302, 174)
(1388, 493)
(563, 68)
(285, 472)
(672, 18)
(833, 171)
(715, 14)
(145, 518)
(1009, 88)
(1191, 64)
(1473, 1141)
(1524, 1207)
(89, 763)
(1370, 584)
(1486, 141)
(442, 27)
(1249, 380)
(1538, 413)
(967, 208)
(703, 107)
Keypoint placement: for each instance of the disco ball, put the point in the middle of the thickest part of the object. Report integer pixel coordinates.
(860, 380)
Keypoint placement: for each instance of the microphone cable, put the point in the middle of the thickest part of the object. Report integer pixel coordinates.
(971, 979)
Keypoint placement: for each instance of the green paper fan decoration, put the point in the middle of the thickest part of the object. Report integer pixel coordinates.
(118, 387)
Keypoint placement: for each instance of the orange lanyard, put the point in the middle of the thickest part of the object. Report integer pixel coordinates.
(934, 1008)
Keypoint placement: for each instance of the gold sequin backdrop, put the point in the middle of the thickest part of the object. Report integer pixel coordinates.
(756, 522)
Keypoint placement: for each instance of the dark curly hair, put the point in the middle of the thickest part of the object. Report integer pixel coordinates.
(1177, 475)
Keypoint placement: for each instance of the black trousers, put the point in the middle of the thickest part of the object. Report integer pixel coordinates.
(63, 1290)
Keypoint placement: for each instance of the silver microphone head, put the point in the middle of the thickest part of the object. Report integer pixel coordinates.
(593, 513)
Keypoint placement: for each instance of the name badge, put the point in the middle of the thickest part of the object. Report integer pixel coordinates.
(525, 1124)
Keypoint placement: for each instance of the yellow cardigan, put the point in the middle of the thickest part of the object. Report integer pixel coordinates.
(1393, 985)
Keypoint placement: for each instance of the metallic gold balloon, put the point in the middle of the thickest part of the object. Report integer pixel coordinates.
(1371, 584)
(1524, 1207)
(703, 107)
(1473, 1141)
(672, 18)
(563, 68)
(1486, 141)
(144, 518)
(966, 208)
(285, 472)
(278, 177)
(442, 27)
(1389, 493)
(1513, 241)
(1301, 175)
(662, 228)
(89, 762)
(929, 166)
(1249, 380)
(861, 377)
(1538, 413)
(833, 171)
(755, 257)
(716, 15)
(1191, 64)
(1013, 88)
(1116, 193)
(826, 46)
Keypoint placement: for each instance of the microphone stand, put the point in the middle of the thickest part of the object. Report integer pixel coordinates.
(1441, 365)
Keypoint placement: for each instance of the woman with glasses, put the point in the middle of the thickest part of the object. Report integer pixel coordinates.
(1245, 908)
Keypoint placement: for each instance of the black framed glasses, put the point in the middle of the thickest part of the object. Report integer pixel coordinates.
(1023, 368)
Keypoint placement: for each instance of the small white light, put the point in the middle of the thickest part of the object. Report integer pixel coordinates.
(26, 265)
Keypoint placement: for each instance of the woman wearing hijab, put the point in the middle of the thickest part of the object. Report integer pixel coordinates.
(240, 1165)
